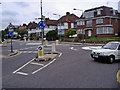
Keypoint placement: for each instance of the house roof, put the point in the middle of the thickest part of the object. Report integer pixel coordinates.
(98, 8)
(68, 18)
(51, 22)
(22, 27)
(32, 25)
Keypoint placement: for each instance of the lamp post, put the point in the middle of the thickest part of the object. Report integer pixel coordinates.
(41, 19)
(82, 24)
(60, 22)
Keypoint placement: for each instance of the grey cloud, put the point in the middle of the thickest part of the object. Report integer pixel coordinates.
(22, 4)
(9, 13)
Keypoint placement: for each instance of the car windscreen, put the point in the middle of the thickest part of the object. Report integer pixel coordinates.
(111, 46)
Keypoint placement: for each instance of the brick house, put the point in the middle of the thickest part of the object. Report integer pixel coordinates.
(34, 29)
(66, 22)
(101, 22)
(50, 25)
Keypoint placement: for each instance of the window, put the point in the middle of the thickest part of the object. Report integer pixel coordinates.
(119, 47)
(75, 25)
(60, 24)
(105, 30)
(89, 23)
(98, 12)
(88, 14)
(114, 12)
(81, 23)
(80, 31)
(98, 21)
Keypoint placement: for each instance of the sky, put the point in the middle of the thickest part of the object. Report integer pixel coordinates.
(18, 12)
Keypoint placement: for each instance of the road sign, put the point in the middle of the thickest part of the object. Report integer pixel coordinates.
(10, 33)
(41, 24)
(6, 35)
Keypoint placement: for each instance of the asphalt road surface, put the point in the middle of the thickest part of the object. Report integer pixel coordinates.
(74, 68)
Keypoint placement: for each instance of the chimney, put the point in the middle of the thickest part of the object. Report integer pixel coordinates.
(67, 13)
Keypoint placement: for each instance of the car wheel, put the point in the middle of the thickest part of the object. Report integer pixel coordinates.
(111, 59)
(95, 59)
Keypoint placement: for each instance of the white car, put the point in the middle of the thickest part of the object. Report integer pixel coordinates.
(110, 52)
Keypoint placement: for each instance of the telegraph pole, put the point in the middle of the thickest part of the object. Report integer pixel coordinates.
(41, 20)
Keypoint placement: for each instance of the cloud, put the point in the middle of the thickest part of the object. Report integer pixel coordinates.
(9, 13)
(22, 4)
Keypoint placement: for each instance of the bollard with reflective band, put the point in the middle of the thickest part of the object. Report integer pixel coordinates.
(46, 42)
(28, 40)
(57, 42)
(4, 44)
(41, 52)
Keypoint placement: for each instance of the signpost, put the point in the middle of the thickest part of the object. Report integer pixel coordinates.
(11, 34)
(41, 25)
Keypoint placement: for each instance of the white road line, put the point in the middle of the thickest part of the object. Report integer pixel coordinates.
(29, 51)
(60, 55)
(22, 73)
(37, 64)
(23, 66)
(26, 48)
(24, 51)
(43, 66)
(72, 48)
(35, 51)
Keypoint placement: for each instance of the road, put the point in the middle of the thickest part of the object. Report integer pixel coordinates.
(74, 68)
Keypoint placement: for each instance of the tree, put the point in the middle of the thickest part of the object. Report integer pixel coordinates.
(52, 35)
(21, 31)
(71, 32)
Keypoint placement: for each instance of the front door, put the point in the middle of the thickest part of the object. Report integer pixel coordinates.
(89, 33)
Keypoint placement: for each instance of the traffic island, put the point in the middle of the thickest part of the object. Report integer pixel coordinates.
(48, 56)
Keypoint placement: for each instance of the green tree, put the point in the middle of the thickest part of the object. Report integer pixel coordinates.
(52, 35)
(21, 31)
(71, 32)
(3, 35)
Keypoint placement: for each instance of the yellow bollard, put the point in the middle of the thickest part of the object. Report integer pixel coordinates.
(41, 52)
(46, 42)
(4, 44)
(57, 41)
(28, 40)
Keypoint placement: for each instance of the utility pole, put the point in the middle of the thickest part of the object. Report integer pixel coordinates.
(41, 20)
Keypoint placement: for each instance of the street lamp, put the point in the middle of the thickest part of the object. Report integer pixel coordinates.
(82, 24)
(60, 22)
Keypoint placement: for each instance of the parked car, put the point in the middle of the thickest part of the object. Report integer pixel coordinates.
(110, 52)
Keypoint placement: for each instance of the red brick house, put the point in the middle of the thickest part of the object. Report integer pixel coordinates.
(101, 22)
(66, 22)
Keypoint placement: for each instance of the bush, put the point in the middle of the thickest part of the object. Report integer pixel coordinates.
(52, 35)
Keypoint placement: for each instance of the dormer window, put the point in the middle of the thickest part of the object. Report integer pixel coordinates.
(98, 12)
(114, 12)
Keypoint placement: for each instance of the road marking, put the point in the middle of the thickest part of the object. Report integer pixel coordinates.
(24, 51)
(23, 66)
(37, 64)
(72, 48)
(35, 51)
(22, 73)
(60, 55)
(43, 66)
(29, 51)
